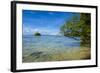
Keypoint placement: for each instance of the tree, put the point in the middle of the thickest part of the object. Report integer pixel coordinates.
(70, 28)
(86, 28)
(78, 26)
(37, 34)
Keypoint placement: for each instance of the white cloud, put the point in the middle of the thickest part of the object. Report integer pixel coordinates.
(44, 31)
(35, 30)
(26, 30)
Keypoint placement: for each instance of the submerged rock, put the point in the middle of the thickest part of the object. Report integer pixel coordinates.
(35, 53)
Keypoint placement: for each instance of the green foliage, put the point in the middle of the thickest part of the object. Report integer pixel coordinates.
(72, 27)
(78, 26)
(37, 34)
(86, 29)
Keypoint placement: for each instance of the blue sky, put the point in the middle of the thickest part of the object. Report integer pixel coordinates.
(45, 22)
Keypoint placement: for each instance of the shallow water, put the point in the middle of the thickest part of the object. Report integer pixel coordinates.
(40, 48)
(49, 44)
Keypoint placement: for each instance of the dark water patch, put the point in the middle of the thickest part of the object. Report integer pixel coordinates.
(36, 53)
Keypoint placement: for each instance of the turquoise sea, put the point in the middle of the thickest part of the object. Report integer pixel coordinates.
(37, 45)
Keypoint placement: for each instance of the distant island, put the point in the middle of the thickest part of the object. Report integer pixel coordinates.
(37, 34)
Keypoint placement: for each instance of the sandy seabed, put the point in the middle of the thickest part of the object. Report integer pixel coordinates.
(82, 53)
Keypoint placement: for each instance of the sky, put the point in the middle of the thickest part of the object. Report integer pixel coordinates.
(44, 22)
